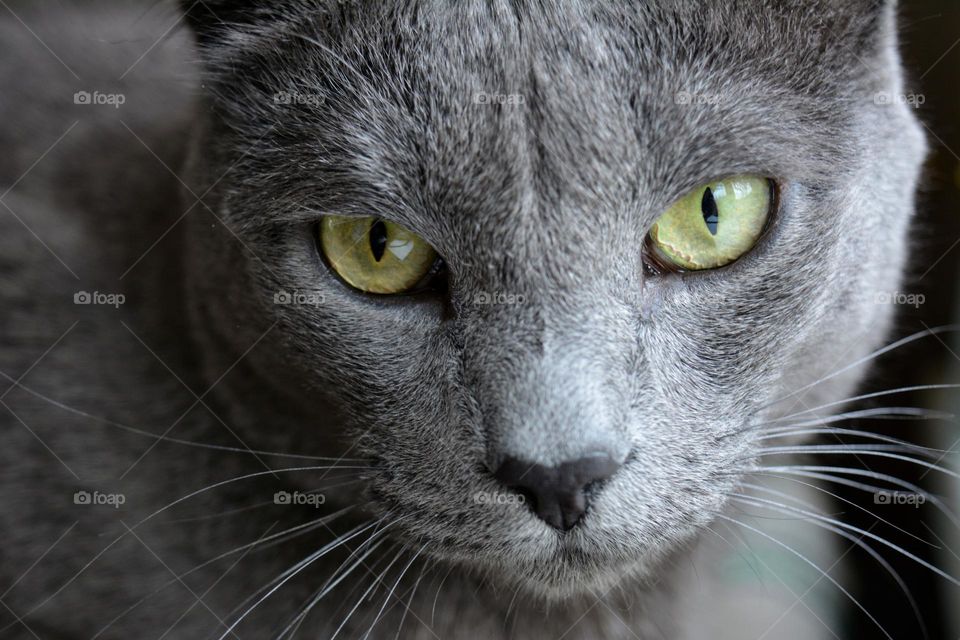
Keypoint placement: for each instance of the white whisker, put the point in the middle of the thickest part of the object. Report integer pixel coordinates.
(824, 473)
(329, 586)
(815, 566)
(392, 590)
(258, 505)
(867, 358)
(876, 413)
(372, 586)
(882, 562)
(868, 396)
(289, 574)
(263, 541)
(222, 483)
(838, 431)
(783, 508)
(844, 448)
(836, 497)
(410, 599)
(885, 454)
(433, 610)
(162, 438)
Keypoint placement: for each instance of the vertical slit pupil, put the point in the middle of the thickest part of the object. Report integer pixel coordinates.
(710, 214)
(378, 239)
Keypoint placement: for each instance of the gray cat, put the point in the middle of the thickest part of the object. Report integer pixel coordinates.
(435, 320)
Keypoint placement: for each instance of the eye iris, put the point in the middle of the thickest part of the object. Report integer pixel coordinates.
(711, 216)
(375, 255)
(688, 235)
(378, 239)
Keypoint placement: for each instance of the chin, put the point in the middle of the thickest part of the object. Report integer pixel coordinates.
(564, 570)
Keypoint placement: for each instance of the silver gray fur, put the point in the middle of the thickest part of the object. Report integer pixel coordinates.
(549, 200)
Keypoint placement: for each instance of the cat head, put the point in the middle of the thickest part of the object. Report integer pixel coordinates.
(563, 398)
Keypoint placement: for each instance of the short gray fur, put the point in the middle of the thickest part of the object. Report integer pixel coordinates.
(548, 201)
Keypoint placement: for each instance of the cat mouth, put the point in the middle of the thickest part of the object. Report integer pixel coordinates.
(570, 574)
(490, 529)
(562, 567)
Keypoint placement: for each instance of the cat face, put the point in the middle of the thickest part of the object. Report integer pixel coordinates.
(534, 148)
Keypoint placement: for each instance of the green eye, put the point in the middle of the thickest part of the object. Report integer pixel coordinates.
(714, 224)
(375, 255)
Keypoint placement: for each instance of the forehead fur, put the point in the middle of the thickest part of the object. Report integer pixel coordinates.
(438, 112)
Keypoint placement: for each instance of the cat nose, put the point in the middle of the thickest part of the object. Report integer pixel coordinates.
(557, 494)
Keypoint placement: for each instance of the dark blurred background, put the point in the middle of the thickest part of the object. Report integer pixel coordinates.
(930, 35)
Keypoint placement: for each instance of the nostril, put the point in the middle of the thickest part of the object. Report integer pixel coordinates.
(558, 494)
